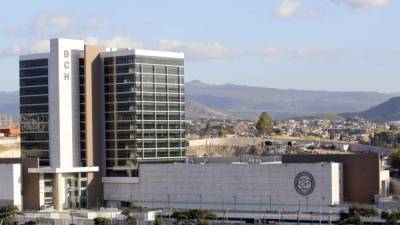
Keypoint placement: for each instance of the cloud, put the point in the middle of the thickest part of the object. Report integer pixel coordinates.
(46, 20)
(46, 24)
(198, 50)
(193, 50)
(70, 22)
(303, 53)
(306, 53)
(272, 51)
(43, 45)
(115, 42)
(291, 8)
(38, 46)
(287, 8)
(363, 3)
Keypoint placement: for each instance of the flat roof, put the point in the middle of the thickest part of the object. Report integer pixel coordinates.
(34, 56)
(143, 52)
(63, 170)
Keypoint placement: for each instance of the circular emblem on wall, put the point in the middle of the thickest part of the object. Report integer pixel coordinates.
(304, 183)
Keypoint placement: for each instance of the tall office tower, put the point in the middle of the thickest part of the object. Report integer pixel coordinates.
(144, 109)
(88, 113)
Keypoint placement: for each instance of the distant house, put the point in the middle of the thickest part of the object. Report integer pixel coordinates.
(10, 131)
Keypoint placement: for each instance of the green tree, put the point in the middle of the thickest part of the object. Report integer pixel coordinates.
(264, 123)
(131, 209)
(7, 214)
(351, 217)
(202, 222)
(208, 129)
(222, 132)
(193, 217)
(158, 221)
(368, 213)
(390, 218)
(101, 221)
(394, 160)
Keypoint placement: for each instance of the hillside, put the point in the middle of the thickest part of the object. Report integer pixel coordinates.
(246, 102)
(384, 112)
(198, 110)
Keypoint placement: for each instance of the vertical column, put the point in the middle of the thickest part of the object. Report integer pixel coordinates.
(58, 188)
(64, 102)
(94, 117)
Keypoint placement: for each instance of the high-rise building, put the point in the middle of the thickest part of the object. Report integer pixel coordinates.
(144, 109)
(88, 112)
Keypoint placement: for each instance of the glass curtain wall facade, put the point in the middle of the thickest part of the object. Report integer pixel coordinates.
(34, 109)
(144, 112)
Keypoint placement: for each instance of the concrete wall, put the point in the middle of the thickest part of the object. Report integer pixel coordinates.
(27, 189)
(384, 184)
(10, 184)
(232, 141)
(369, 148)
(64, 114)
(235, 186)
(94, 103)
(30, 185)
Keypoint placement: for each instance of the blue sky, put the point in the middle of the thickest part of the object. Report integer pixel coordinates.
(300, 44)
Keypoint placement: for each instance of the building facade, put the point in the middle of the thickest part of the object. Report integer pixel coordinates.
(144, 110)
(222, 186)
(360, 172)
(10, 178)
(89, 112)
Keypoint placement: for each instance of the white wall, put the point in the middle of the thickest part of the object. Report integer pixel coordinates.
(337, 178)
(64, 102)
(215, 186)
(231, 141)
(10, 185)
(384, 177)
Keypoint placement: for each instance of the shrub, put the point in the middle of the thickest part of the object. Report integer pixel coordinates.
(158, 221)
(101, 221)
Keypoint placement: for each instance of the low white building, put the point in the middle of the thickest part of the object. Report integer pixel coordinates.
(229, 186)
(10, 184)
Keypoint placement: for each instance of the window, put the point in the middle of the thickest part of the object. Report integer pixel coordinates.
(147, 69)
(147, 78)
(124, 59)
(173, 70)
(173, 79)
(33, 81)
(148, 88)
(33, 72)
(161, 69)
(33, 63)
(160, 79)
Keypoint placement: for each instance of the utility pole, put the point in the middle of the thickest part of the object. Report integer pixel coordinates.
(330, 218)
(320, 211)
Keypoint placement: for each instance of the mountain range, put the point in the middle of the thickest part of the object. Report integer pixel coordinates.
(387, 111)
(247, 102)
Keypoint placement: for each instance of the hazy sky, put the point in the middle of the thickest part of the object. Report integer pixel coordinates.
(300, 44)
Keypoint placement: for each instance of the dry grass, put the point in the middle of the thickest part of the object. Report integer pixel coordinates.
(12, 150)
